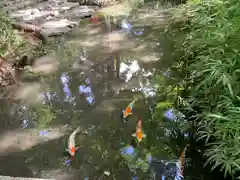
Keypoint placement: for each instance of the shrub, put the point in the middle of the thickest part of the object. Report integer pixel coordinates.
(8, 39)
(211, 58)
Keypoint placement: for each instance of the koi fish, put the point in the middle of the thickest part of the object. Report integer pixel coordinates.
(94, 19)
(139, 133)
(128, 110)
(180, 164)
(71, 143)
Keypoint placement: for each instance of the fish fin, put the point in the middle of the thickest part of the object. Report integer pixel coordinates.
(78, 129)
(134, 101)
(77, 148)
(144, 135)
(125, 120)
(134, 135)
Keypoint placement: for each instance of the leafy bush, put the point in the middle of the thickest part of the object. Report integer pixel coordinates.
(11, 43)
(211, 59)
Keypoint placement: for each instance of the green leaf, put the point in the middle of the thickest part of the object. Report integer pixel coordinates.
(165, 104)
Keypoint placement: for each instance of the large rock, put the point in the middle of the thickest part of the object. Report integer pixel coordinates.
(58, 27)
(79, 12)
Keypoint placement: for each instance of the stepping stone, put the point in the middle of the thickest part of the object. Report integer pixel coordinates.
(29, 14)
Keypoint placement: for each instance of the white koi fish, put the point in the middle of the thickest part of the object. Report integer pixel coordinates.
(71, 143)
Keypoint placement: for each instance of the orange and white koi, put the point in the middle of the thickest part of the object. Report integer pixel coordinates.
(139, 133)
(71, 143)
(180, 164)
(128, 110)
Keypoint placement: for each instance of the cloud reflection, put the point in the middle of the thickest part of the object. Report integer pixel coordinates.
(128, 70)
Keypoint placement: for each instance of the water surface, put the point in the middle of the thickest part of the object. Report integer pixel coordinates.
(98, 74)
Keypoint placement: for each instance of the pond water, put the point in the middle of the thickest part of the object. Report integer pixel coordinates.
(95, 81)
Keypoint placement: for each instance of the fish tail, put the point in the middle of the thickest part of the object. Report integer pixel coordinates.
(124, 115)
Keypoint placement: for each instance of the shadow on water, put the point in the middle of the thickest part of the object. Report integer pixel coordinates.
(94, 81)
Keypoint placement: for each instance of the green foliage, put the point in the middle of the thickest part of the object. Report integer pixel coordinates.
(8, 39)
(44, 116)
(211, 60)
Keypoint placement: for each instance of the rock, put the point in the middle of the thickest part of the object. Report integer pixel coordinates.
(29, 14)
(35, 30)
(58, 27)
(88, 2)
(79, 12)
(60, 6)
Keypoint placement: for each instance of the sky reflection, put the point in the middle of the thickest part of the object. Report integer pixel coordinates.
(134, 178)
(67, 162)
(65, 79)
(173, 115)
(128, 150)
(43, 133)
(125, 25)
(86, 90)
(67, 91)
(25, 123)
(171, 171)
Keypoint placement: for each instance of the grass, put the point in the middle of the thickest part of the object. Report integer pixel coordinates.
(209, 56)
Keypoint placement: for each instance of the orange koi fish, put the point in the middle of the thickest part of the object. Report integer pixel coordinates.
(139, 133)
(71, 143)
(128, 110)
(182, 158)
(180, 163)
